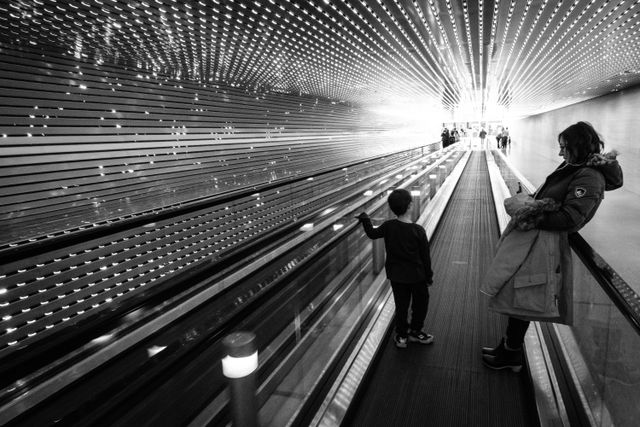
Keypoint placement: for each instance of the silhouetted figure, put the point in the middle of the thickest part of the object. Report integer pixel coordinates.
(445, 137)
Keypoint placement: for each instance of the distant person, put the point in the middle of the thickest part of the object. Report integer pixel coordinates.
(534, 248)
(445, 137)
(482, 135)
(408, 267)
(499, 138)
(504, 137)
(456, 135)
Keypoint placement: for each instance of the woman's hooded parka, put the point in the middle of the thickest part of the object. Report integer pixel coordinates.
(530, 276)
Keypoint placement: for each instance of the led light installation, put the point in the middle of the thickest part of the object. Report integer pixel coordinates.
(504, 53)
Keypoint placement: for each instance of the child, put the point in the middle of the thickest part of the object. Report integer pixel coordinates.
(408, 266)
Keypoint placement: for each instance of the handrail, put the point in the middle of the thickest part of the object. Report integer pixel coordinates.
(620, 293)
(40, 244)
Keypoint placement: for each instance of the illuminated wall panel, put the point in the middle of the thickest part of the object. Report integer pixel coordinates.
(83, 143)
(472, 59)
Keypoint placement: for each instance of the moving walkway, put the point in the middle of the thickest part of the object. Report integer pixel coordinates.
(309, 288)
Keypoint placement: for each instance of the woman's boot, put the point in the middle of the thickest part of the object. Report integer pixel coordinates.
(505, 358)
(492, 351)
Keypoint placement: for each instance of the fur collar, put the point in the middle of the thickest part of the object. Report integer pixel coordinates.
(601, 159)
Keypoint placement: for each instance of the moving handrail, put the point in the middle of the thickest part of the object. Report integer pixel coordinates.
(38, 244)
(622, 295)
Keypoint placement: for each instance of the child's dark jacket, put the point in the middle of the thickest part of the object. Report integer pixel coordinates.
(407, 247)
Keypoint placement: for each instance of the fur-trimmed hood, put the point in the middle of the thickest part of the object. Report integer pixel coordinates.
(608, 166)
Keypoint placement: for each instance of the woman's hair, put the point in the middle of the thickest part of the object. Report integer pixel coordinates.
(399, 201)
(581, 140)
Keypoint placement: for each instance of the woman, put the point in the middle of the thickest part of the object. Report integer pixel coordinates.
(530, 277)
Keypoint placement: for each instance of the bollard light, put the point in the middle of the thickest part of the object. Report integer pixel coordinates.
(239, 366)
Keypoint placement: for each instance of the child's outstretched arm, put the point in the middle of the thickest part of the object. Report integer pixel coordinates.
(372, 233)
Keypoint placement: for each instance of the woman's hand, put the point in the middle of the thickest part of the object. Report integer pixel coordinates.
(529, 216)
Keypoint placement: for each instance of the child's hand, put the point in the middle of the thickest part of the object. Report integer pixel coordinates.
(362, 215)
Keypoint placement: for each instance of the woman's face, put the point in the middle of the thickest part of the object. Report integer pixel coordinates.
(563, 149)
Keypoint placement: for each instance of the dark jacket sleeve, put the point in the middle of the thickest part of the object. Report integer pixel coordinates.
(372, 233)
(583, 196)
(425, 253)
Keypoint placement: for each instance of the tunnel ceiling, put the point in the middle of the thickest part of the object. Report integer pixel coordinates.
(473, 58)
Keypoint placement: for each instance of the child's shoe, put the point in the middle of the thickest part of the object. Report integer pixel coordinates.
(401, 342)
(421, 337)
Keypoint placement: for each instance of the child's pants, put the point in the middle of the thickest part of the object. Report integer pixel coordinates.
(418, 295)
